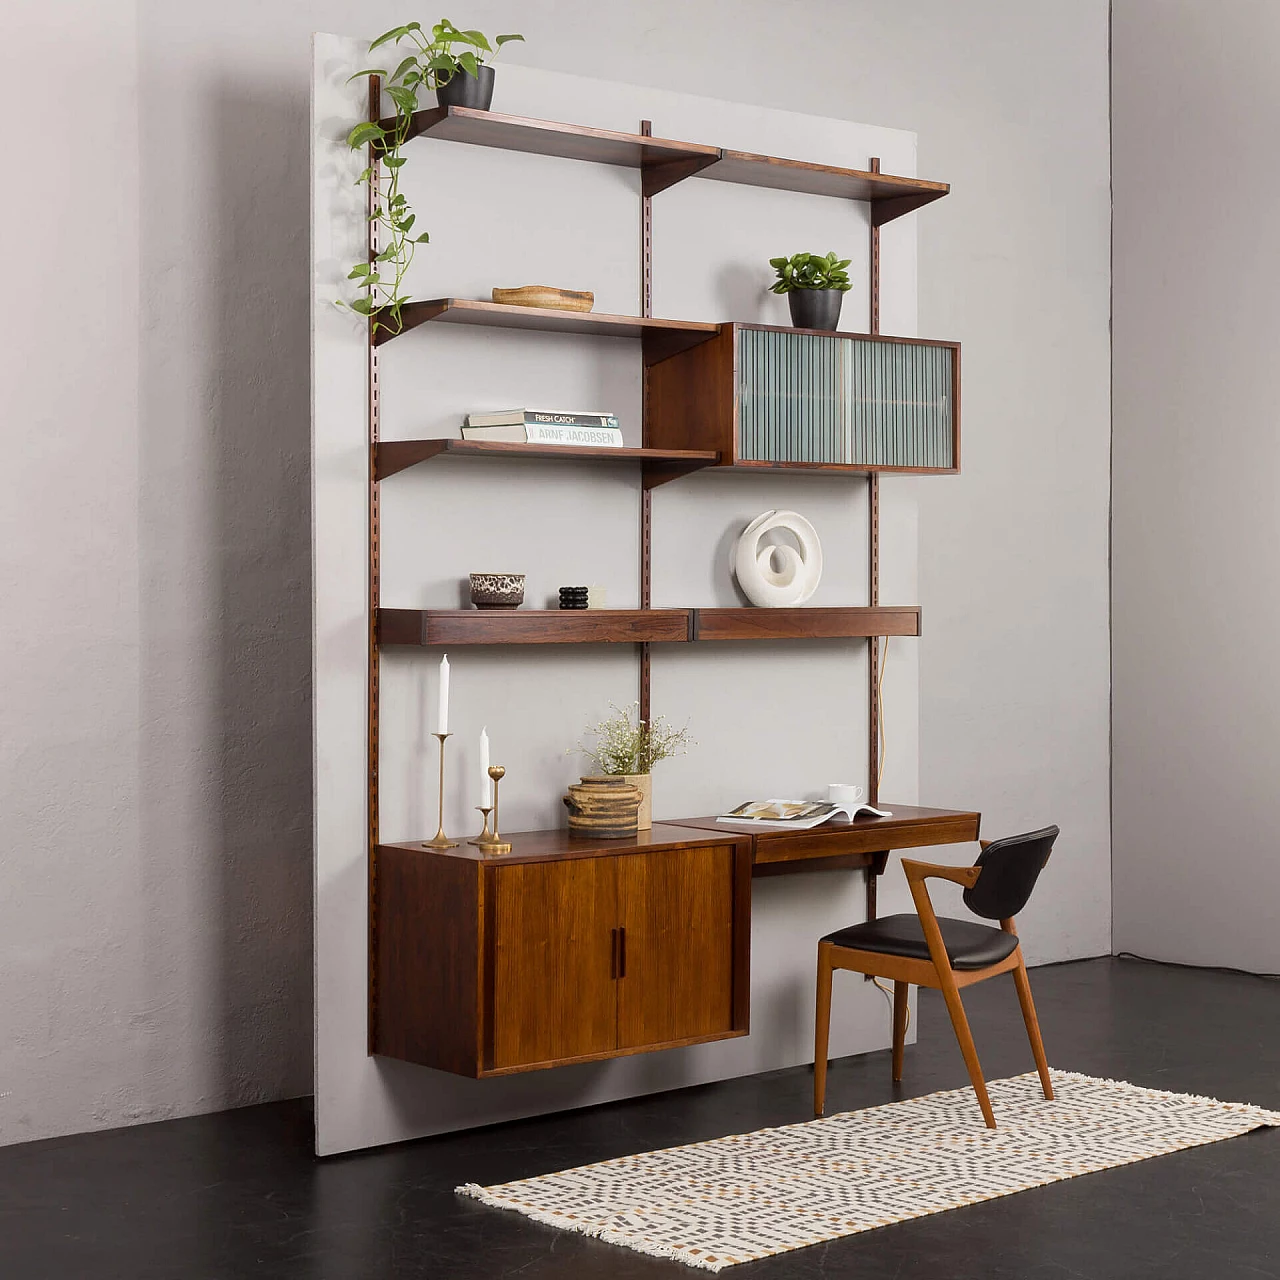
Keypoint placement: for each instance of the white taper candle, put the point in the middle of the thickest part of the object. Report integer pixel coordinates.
(486, 782)
(442, 706)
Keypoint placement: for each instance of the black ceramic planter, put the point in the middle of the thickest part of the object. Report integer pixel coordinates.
(467, 91)
(815, 308)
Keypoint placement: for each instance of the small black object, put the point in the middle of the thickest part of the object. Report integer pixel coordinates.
(573, 597)
(815, 308)
(466, 90)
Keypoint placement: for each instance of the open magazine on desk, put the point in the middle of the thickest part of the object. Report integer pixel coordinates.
(799, 815)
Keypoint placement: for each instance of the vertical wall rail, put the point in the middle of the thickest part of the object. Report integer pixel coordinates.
(375, 102)
(873, 592)
(646, 494)
(873, 541)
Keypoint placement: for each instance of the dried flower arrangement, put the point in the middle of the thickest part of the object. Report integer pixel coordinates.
(627, 745)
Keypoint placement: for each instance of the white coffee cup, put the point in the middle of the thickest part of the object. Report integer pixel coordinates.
(845, 793)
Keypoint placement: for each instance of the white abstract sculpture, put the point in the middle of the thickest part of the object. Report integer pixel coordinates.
(775, 575)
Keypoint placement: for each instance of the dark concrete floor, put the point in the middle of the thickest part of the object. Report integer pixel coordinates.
(239, 1194)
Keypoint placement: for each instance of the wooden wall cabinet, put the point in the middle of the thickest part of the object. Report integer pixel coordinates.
(562, 951)
(765, 396)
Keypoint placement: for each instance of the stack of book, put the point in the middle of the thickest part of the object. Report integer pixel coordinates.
(542, 426)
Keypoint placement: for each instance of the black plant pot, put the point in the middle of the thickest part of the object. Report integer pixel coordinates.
(815, 308)
(467, 90)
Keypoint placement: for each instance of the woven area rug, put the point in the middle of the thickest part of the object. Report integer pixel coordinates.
(736, 1199)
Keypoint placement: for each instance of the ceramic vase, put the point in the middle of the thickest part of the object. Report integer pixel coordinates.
(603, 807)
(643, 783)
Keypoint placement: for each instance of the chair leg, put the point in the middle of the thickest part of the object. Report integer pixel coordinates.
(1023, 984)
(961, 1024)
(822, 1030)
(900, 990)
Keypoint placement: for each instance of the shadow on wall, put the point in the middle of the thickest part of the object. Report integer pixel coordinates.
(226, 596)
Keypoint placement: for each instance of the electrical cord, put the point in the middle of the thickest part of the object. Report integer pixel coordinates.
(888, 995)
(884, 659)
(1203, 968)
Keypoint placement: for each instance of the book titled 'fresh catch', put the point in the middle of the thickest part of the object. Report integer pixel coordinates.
(538, 426)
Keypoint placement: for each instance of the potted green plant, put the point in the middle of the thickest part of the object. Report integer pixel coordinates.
(815, 285)
(460, 78)
(453, 62)
(628, 747)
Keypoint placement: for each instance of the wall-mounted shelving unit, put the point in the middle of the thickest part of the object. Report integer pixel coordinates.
(695, 385)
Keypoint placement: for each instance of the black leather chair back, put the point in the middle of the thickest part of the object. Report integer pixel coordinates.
(1010, 869)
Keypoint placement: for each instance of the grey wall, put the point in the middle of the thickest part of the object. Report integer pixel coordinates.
(154, 860)
(1197, 454)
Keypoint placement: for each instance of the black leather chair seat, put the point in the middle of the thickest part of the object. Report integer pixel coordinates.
(969, 945)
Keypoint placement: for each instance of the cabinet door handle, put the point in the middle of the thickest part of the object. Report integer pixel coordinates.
(622, 952)
(613, 953)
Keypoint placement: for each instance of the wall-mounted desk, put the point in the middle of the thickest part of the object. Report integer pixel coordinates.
(867, 842)
(573, 950)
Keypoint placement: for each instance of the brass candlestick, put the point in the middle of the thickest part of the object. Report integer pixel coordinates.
(490, 841)
(440, 840)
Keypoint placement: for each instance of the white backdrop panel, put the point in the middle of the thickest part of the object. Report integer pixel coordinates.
(768, 719)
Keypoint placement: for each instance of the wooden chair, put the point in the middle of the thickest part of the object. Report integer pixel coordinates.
(942, 953)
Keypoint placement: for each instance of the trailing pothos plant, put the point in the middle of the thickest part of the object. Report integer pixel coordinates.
(434, 62)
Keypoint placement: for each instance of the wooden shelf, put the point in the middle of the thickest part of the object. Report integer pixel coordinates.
(391, 456)
(662, 338)
(531, 626)
(456, 627)
(664, 161)
(890, 197)
(804, 623)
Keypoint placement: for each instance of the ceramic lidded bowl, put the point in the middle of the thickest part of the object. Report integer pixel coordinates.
(497, 590)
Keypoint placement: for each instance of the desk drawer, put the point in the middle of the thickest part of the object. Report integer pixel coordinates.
(856, 838)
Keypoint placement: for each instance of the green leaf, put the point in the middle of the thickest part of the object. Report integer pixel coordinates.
(404, 98)
(387, 254)
(398, 199)
(368, 71)
(360, 269)
(394, 162)
(365, 131)
(413, 26)
(477, 38)
(410, 61)
(396, 33)
(407, 224)
(501, 40)
(467, 61)
(423, 238)
(365, 176)
(364, 306)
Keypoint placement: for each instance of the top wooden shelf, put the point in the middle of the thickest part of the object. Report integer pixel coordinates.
(890, 197)
(665, 161)
(661, 160)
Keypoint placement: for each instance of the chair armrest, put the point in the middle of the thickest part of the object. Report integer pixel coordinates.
(982, 844)
(916, 872)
